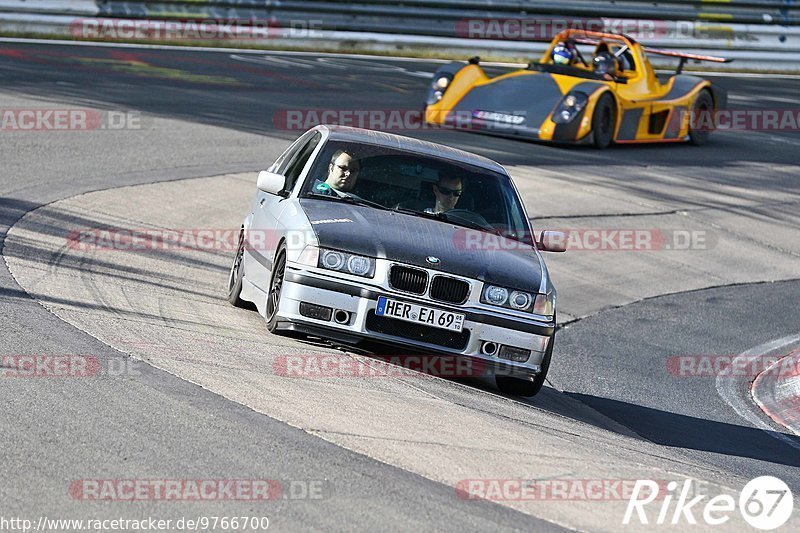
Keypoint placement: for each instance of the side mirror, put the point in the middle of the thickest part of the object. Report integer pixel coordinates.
(270, 182)
(552, 241)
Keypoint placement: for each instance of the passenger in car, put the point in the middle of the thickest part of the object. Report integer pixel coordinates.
(447, 190)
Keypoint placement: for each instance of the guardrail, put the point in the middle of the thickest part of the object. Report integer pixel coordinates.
(785, 12)
(757, 33)
(381, 13)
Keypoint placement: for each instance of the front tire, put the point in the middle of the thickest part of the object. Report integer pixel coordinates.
(237, 275)
(275, 289)
(604, 121)
(703, 105)
(524, 387)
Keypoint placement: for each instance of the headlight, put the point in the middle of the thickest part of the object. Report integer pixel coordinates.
(358, 265)
(495, 295)
(520, 300)
(539, 304)
(570, 107)
(332, 260)
(438, 88)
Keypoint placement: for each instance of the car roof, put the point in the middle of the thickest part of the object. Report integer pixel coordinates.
(400, 142)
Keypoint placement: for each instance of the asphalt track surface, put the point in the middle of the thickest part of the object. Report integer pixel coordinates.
(219, 113)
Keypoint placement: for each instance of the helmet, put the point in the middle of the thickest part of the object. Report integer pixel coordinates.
(605, 63)
(562, 55)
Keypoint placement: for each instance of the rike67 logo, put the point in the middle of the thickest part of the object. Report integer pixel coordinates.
(765, 503)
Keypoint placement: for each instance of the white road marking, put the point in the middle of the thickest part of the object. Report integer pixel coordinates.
(275, 61)
(781, 100)
(419, 74)
(733, 74)
(332, 63)
(760, 98)
(726, 388)
(227, 50)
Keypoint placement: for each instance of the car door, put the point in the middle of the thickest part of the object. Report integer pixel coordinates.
(266, 230)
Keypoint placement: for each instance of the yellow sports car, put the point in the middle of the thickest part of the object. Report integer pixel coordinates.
(614, 96)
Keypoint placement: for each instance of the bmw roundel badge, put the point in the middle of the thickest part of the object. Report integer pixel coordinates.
(432, 260)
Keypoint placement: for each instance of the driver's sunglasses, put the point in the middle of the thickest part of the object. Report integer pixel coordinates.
(346, 169)
(449, 192)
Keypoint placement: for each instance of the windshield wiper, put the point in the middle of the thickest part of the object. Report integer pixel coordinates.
(414, 212)
(452, 219)
(461, 221)
(361, 201)
(346, 198)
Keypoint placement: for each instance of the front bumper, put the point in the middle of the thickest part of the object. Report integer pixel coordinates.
(360, 301)
(561, 135)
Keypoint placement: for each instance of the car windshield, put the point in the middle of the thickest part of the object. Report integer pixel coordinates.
(380, 177)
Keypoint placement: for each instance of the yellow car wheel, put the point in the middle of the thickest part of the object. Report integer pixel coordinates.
(604, 121)
(703, 105)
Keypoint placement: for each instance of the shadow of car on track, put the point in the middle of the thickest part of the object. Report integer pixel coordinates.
(659, 427)
(682, 431)
(459, 370)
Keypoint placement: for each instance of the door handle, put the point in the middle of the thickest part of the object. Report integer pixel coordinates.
(262, 201)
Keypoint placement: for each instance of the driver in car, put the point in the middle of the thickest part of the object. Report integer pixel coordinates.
(342, 174)
(606, 65)
(563, 53)
(447, 191)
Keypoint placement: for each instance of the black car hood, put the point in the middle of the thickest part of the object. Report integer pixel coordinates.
(411, 239)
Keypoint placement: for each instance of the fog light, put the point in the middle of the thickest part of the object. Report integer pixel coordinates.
(512, 353)
(341, 317)
(318, 312)
(489, 348)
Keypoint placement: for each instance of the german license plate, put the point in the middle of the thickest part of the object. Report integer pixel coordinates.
(419, 314)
